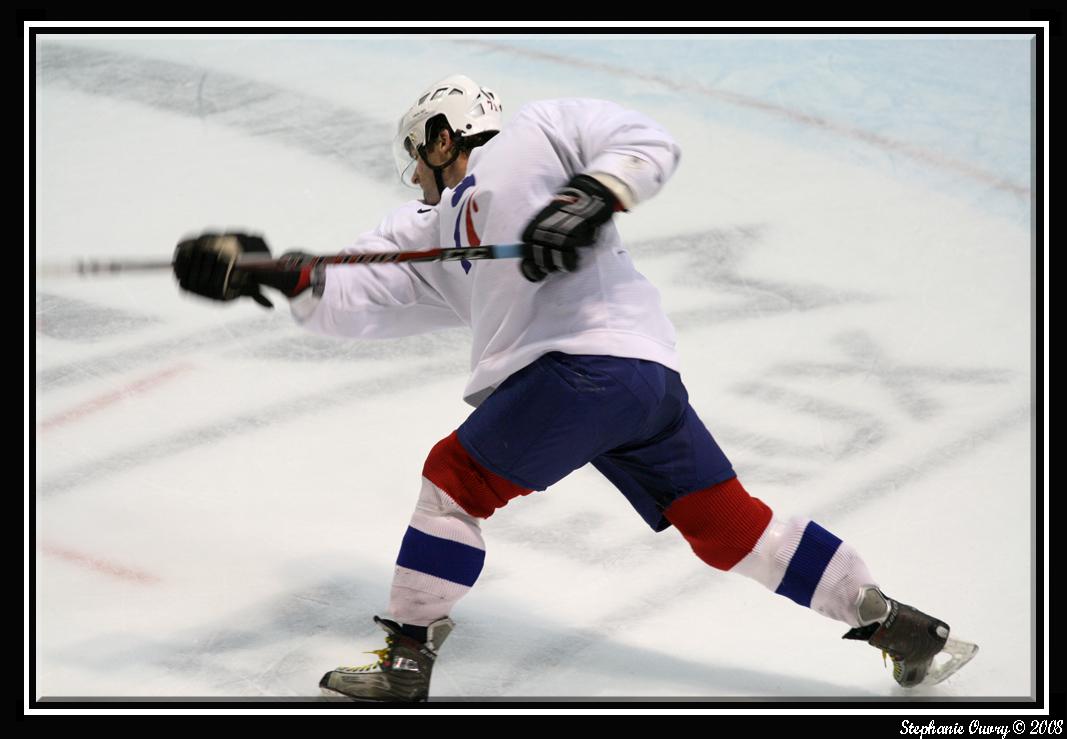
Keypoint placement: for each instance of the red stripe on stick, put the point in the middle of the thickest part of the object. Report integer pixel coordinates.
(427, 255)
(100, 565)
(108, 399)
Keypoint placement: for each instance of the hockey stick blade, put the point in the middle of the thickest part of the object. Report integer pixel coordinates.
(954, 655)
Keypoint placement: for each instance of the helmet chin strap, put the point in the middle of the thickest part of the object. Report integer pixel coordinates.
(438, 176)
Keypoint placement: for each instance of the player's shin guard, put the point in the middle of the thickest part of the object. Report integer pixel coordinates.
(443, 551)
(440, 559)
(797, 558)
(803, 561)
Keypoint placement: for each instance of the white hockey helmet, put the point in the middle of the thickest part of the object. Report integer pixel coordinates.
(468, 107)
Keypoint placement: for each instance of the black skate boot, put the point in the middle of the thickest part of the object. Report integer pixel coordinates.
(402, 672)
(910, 638)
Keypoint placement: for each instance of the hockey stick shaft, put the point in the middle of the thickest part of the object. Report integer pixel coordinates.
(469, 253)
(93, 267)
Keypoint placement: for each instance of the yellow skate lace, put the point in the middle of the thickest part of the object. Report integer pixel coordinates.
(898, 665)
(380, 653)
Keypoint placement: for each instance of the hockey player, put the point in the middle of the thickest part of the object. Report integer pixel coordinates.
(573, 362)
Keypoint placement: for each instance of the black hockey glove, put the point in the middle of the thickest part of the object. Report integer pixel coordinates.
(207, 265)
(570, 221)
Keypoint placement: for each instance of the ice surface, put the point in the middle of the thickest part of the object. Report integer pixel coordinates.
(845, 250)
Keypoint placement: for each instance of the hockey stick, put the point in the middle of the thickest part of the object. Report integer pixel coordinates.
(93, 267)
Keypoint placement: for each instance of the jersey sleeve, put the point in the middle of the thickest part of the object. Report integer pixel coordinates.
(628, 151)
(380, 301)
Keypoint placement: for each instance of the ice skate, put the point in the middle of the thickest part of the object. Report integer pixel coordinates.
(919, 645)
(402, 672)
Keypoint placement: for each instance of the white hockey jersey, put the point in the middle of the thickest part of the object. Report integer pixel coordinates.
(606, 307)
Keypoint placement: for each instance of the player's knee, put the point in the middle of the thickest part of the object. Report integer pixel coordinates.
(722, 523)
(474, 488)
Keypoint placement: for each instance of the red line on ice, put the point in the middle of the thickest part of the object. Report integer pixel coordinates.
(883, 142)
(100, 565)
(103, 401)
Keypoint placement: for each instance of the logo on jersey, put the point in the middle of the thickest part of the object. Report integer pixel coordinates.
(465, 216)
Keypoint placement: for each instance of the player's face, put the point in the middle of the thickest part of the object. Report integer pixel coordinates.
(423, 177)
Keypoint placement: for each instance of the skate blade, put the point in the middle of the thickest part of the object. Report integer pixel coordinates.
(335, 695)
(954, 655)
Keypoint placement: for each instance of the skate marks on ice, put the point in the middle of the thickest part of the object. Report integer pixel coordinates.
(269, 654)
(811, 391)
(499, 652)
(263, 650)
(477, 668)
(283, 343)
(712, 261)
(67, 319)
(909, 385)
(906, 473)
(448, 347)
(249, 107)
(281, 647)
(139, 386)
(580, 537)
(142, 454)
(266, 650)
(862, 429)
(119, 360)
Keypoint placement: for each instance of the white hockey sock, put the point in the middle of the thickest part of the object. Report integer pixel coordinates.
(440, 558)
(806, 563)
